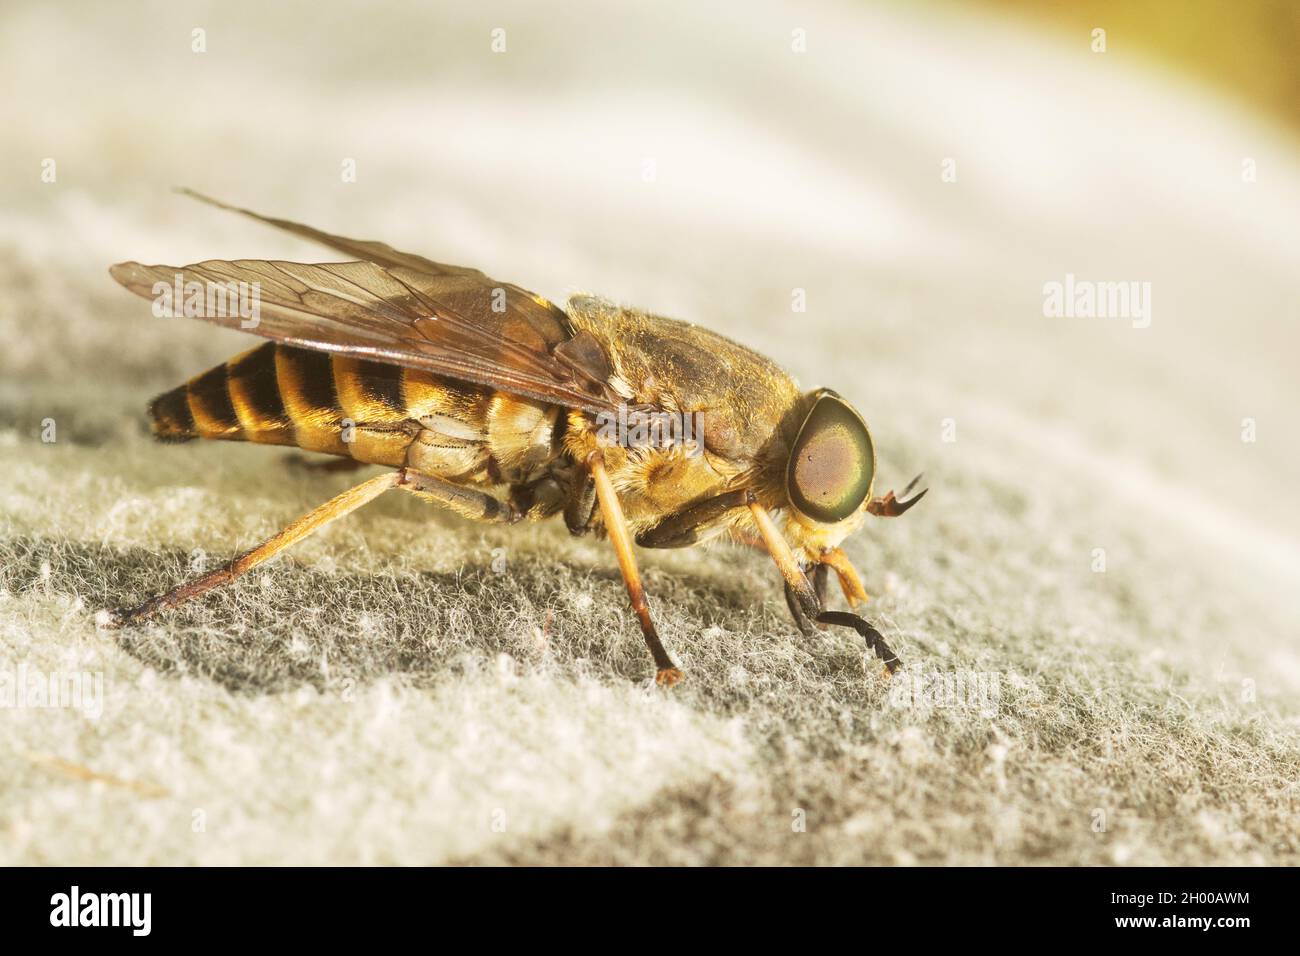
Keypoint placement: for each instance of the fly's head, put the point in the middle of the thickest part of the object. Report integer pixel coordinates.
(829, 477)
(830, 474)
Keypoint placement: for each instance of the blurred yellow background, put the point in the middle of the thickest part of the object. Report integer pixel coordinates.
(1247, 48)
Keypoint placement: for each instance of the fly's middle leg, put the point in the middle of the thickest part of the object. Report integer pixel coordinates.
(467, 502)
(580, 510)
(616, 526)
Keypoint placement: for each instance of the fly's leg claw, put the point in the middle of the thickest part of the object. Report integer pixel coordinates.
(874, 639)
(669, 676)
(891, 507)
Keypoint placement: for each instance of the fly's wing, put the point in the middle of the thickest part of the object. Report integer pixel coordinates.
(442, 324)
(457, 323)
(379, 253)
(462, 286)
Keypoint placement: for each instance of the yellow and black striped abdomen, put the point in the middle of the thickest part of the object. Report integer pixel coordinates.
(370, 411)
(280, 395)
(238, 400)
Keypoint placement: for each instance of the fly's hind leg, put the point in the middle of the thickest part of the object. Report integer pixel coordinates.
(337, 507)
(464, 501)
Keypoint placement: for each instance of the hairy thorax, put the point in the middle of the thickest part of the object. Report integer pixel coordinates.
(743, 404)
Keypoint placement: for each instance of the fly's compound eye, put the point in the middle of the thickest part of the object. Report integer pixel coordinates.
(833, 462)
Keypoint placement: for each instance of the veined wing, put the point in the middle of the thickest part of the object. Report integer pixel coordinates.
(380, 253)
(457, 323)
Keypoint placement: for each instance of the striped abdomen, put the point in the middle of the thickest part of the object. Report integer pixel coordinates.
(370, 411)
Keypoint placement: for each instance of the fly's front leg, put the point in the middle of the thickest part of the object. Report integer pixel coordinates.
(805, 594)
(616, 526)
(850, 583)
(819, 583)
(686, 527)
(807, 627)
(681, 529)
